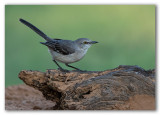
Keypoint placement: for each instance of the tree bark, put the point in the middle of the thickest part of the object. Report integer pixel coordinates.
(91, 90)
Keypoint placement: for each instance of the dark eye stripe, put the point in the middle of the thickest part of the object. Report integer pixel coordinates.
(85, 42)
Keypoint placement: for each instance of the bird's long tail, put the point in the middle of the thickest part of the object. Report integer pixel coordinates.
(35, 29)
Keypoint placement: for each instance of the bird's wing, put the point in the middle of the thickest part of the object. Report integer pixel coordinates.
(60, 46)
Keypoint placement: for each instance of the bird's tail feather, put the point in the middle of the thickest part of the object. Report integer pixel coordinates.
(35, 29)
(42, 43)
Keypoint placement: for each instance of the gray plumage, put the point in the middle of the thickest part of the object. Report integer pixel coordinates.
(65, 51)
(64, 47)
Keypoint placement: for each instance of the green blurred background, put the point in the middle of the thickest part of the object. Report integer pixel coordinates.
(126, 36)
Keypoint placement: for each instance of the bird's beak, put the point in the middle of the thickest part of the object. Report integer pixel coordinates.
(93, 42)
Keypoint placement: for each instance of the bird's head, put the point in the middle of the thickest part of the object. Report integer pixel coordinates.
(85, 43)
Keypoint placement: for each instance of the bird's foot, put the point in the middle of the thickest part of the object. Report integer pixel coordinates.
(63, 70)
(80, 70)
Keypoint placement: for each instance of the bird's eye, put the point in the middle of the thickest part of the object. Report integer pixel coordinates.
(85, 42)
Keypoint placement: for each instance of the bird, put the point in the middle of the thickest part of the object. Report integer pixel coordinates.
(64, 51)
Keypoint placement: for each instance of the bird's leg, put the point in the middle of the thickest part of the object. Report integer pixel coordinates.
(58, 64)
(73, 67)
(60, 68)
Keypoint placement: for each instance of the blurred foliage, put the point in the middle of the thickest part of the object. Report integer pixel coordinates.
(126, 36)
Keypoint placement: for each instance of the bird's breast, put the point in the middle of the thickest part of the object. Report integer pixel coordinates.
(71, 58)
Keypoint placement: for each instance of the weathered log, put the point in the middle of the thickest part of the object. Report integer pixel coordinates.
(23, 97)
(91, 90)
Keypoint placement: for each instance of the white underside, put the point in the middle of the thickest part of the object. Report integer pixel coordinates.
(68, 58)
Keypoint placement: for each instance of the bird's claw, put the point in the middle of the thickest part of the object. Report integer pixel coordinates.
(63, 70)
(81, 70)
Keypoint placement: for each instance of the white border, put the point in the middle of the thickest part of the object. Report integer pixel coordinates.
(81, 2)
(114, 2)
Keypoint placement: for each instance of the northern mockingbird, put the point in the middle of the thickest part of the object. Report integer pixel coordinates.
(65, 51)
